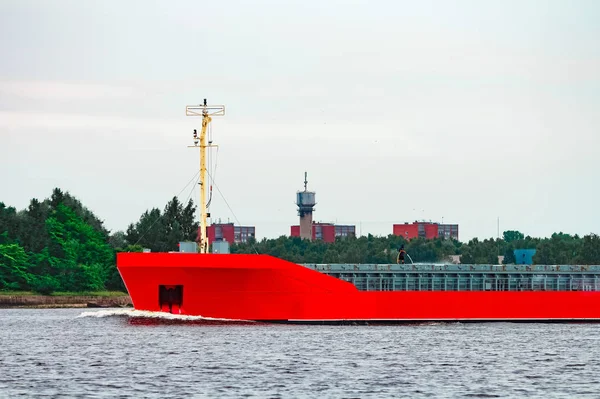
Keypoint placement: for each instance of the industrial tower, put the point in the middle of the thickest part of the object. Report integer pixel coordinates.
(306, 203)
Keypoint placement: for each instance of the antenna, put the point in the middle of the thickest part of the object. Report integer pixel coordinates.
(205, 111)
(498, 239)
(305, 180)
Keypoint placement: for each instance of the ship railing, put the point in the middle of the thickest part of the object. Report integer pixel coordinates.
(423, 267)
(470, 282)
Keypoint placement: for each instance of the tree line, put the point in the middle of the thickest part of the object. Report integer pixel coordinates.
(560, 248)
(59, 245)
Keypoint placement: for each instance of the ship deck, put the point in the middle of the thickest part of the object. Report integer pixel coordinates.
(452, 277)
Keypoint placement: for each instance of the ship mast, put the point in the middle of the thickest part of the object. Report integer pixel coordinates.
(205, 111)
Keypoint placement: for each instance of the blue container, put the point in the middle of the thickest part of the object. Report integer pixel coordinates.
(524, 256)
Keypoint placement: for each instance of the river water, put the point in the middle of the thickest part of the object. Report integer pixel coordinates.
(118, 353)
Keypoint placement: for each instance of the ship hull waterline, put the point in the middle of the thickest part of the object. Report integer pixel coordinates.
(267, 289)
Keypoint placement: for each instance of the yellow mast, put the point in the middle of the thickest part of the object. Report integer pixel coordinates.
(205, 111)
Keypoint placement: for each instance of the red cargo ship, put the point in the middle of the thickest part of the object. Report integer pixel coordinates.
(264, 288)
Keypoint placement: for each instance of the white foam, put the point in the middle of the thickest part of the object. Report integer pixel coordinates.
(151, 315)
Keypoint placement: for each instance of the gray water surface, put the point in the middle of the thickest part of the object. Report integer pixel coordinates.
(111, 353)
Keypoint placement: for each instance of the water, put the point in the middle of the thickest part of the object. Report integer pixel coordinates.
(113, 353)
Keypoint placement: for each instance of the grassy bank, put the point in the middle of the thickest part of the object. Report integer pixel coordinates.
(95, 299)
(66, 293)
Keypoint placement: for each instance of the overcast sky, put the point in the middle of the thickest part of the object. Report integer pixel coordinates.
(464, 111)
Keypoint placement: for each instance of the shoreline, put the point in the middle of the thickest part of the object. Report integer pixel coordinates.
(66, 301)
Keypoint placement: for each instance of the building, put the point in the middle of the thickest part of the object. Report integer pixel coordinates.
(345, 230)
(417, 229)
(426, 230)
(230, 233)
(326, 231)
(448, 231)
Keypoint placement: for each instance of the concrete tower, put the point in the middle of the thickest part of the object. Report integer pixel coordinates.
(306, 204)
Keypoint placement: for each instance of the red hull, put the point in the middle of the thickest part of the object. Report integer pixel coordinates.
(261, 287)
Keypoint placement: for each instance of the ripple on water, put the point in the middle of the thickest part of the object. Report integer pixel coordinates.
(127, 353)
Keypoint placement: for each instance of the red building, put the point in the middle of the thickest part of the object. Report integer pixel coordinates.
(426, 230)
(326, 231)
(448, 231)
(230, 233)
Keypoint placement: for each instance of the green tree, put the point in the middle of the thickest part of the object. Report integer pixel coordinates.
(117, 240)
(480, 252)
(512, 235)
(9, 221)
(590, 250)
(13, 267)
(467, 257)
(560, 249)
(33, 234)
(187, 220)
(509, 256)
(171, 223)
(148, 231)
(44, 284)
(86, 259)
(331, 256)
(55, 244)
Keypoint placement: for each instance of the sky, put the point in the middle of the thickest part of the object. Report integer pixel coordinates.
(484, 114)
